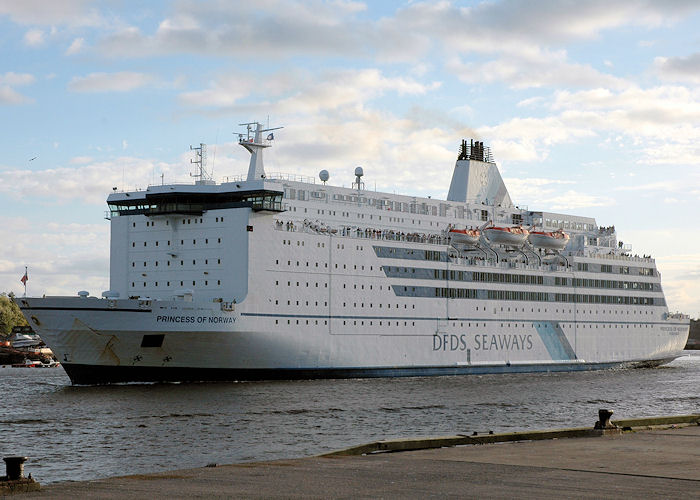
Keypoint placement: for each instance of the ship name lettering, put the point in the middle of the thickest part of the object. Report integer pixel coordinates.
(499, 342)
(220, 319)
(175, 319)
(194, 319)
(449, 342)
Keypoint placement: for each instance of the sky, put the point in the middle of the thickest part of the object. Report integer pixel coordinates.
(590, 108)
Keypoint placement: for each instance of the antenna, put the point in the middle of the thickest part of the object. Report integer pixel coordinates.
(358, 179)
(200, 160)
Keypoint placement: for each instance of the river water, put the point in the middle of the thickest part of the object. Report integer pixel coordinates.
(79, 433)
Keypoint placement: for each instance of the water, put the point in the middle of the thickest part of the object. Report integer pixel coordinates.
(90, 432)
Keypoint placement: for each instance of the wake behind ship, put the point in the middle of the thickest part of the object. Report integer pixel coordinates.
(282, 277)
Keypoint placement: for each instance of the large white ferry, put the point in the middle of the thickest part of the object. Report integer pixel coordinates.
(283, 277)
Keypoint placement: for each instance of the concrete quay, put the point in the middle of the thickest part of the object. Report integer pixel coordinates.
(655, 459)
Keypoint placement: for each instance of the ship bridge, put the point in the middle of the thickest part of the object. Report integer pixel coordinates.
(192, 202)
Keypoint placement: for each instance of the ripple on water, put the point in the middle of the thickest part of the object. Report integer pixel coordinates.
(92, 432)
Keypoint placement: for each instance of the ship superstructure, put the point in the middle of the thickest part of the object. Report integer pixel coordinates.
(281, 276)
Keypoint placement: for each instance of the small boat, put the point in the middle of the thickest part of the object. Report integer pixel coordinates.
(19, 340)
(465, 236)
(510, 236)
(48, 364)
(550, 240)
(28, 363)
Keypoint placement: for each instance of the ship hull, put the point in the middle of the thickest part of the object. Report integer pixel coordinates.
(103, 342)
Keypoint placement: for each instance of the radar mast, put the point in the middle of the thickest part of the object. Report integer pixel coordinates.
(200, 162)
(252, 140)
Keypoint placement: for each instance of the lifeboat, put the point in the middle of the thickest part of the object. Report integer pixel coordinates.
(550, 240)
(510, 236)
(465, 236)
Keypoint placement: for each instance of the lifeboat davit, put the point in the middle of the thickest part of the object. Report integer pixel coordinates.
(465, 236)
(510, 236)
(550, 240)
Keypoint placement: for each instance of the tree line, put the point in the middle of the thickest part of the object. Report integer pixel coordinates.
(10, 314)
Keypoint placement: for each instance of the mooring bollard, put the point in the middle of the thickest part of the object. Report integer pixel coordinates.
(14, 467)
(604, 420)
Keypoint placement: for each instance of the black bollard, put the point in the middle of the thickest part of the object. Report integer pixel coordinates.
(604, 417)
(14, 467)
(604, 420)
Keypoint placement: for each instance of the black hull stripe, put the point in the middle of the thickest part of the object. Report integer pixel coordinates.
(99, 374)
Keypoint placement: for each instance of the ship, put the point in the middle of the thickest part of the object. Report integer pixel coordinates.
(280, 276)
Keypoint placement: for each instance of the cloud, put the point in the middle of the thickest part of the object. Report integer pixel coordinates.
(516, 26)
(123, 81)
(573, 200)
(16, 79)
(283, 28)
(535, 69)
(75, 47)
(531, 101)
(34, 38)
(529, 139)
(301, 92)
(8, 95)
(40, 12)
(679, 69)
(662, 122)
(90, 182)
(551, 193)
(274, 29)
(81, 160)
(62, 257)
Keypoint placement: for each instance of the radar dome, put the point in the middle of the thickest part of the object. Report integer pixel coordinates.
(359, 172)
(323, 175)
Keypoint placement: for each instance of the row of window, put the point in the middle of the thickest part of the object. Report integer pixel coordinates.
(361, 305)
(590, 283)
(606, 299)
(182, 262)
(576, 298)
(325, 265)
(325, 285)
(152, 223)
(182, 242)
(346, 322)
(479, 294)
(608, 268)
(409, 207)
(566, 224)
(182, 283)
(527, 279)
